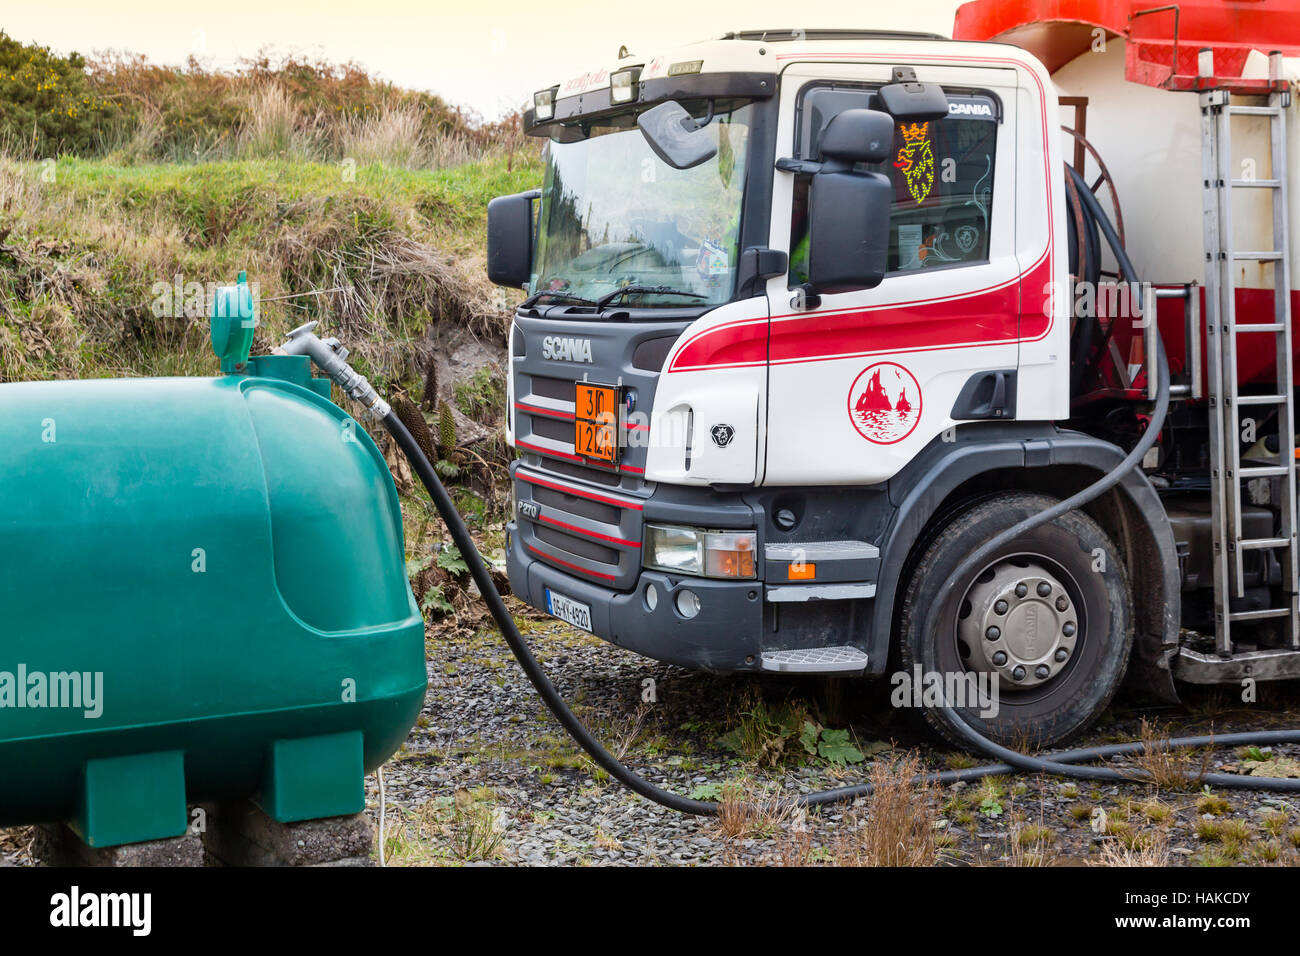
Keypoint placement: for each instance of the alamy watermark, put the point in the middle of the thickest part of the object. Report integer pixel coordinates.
(964, 690)
(1112, 301)
(179, 299)
(75, 908)
(59, 690)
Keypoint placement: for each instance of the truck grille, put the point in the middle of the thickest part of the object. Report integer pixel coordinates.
(579, 507)
(554, 429)
(587, 517)
(599, 476)
(580, 526)
(558, 389)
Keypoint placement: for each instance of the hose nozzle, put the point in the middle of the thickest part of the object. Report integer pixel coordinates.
(330, 356)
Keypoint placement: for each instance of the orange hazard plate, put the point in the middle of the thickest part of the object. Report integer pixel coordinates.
(595, 426)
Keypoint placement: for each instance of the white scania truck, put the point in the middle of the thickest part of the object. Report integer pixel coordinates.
(810, 315)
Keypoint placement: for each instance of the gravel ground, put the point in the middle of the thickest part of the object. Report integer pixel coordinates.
(488, 777)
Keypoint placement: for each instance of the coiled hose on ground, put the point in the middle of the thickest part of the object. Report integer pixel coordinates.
(1063, 763)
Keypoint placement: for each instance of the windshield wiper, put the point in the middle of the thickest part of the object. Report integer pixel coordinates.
(536, 297)
(606, 299)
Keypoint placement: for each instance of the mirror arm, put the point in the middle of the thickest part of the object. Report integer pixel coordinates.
(758, 264)
(534, 196)
(791, 165)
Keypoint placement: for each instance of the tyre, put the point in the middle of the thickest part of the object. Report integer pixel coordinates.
(1044, 629)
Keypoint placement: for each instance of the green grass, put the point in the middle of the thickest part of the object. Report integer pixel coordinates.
(89, 255)
(203, 198)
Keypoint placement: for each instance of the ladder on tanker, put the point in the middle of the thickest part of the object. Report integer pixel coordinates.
(1231, 412)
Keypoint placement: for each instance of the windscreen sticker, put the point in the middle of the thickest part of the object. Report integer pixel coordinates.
(909, 244)
(712, 260)
(916, 160)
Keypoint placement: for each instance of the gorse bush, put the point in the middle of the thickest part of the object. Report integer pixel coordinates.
(122, 107)
(47, 103)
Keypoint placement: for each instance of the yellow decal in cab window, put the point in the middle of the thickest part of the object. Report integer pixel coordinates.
(916, 160)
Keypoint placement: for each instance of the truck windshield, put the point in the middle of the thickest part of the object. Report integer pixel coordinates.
(613, 214)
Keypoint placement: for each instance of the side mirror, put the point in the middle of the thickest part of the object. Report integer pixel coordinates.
(676, 137)
(848, 211)
(510, 239)
(848, 241)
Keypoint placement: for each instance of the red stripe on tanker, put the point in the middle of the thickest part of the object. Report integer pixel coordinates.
(993, 316)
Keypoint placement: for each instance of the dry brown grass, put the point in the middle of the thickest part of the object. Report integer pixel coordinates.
(283, 106)
(748, 811)
(273, 125)
(899, 828)
(1032, 842)
(631, 731)
(17, 844)
(1167, 768)
(895, 828)
(1149, 848)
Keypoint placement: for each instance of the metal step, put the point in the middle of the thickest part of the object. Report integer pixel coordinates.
(1197, 668)
(1263, 471)
(1260, 615)
(795, 593)
(855, 563)
(1253, 110)
(1260, 399)
(814, 551)
(1259, 544)
(816, 660)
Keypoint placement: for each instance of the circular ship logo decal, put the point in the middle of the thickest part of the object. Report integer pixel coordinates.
(885, 403)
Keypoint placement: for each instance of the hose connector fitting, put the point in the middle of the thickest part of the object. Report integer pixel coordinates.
(330, 357)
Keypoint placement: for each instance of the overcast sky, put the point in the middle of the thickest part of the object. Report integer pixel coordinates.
(489, 55)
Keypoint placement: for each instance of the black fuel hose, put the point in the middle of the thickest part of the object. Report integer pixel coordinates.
(1063, 763)
(1117, 474)
(510, 631)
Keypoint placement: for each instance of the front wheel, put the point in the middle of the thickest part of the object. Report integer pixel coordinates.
(1030, 648)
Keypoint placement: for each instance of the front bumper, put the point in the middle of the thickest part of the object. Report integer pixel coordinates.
(726, 635)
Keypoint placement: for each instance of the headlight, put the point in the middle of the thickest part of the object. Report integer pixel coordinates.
(544, 104)
(622, 85)
(711, 554)
(674, 549)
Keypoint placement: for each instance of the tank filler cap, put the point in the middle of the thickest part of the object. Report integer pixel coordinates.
(234, 319)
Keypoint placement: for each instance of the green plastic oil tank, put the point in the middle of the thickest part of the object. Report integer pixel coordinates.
(204, 598)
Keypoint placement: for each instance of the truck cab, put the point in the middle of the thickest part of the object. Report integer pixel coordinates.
(797, 337)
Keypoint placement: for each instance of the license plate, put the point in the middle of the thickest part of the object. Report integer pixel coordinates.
(568, 610)
(595, 426)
